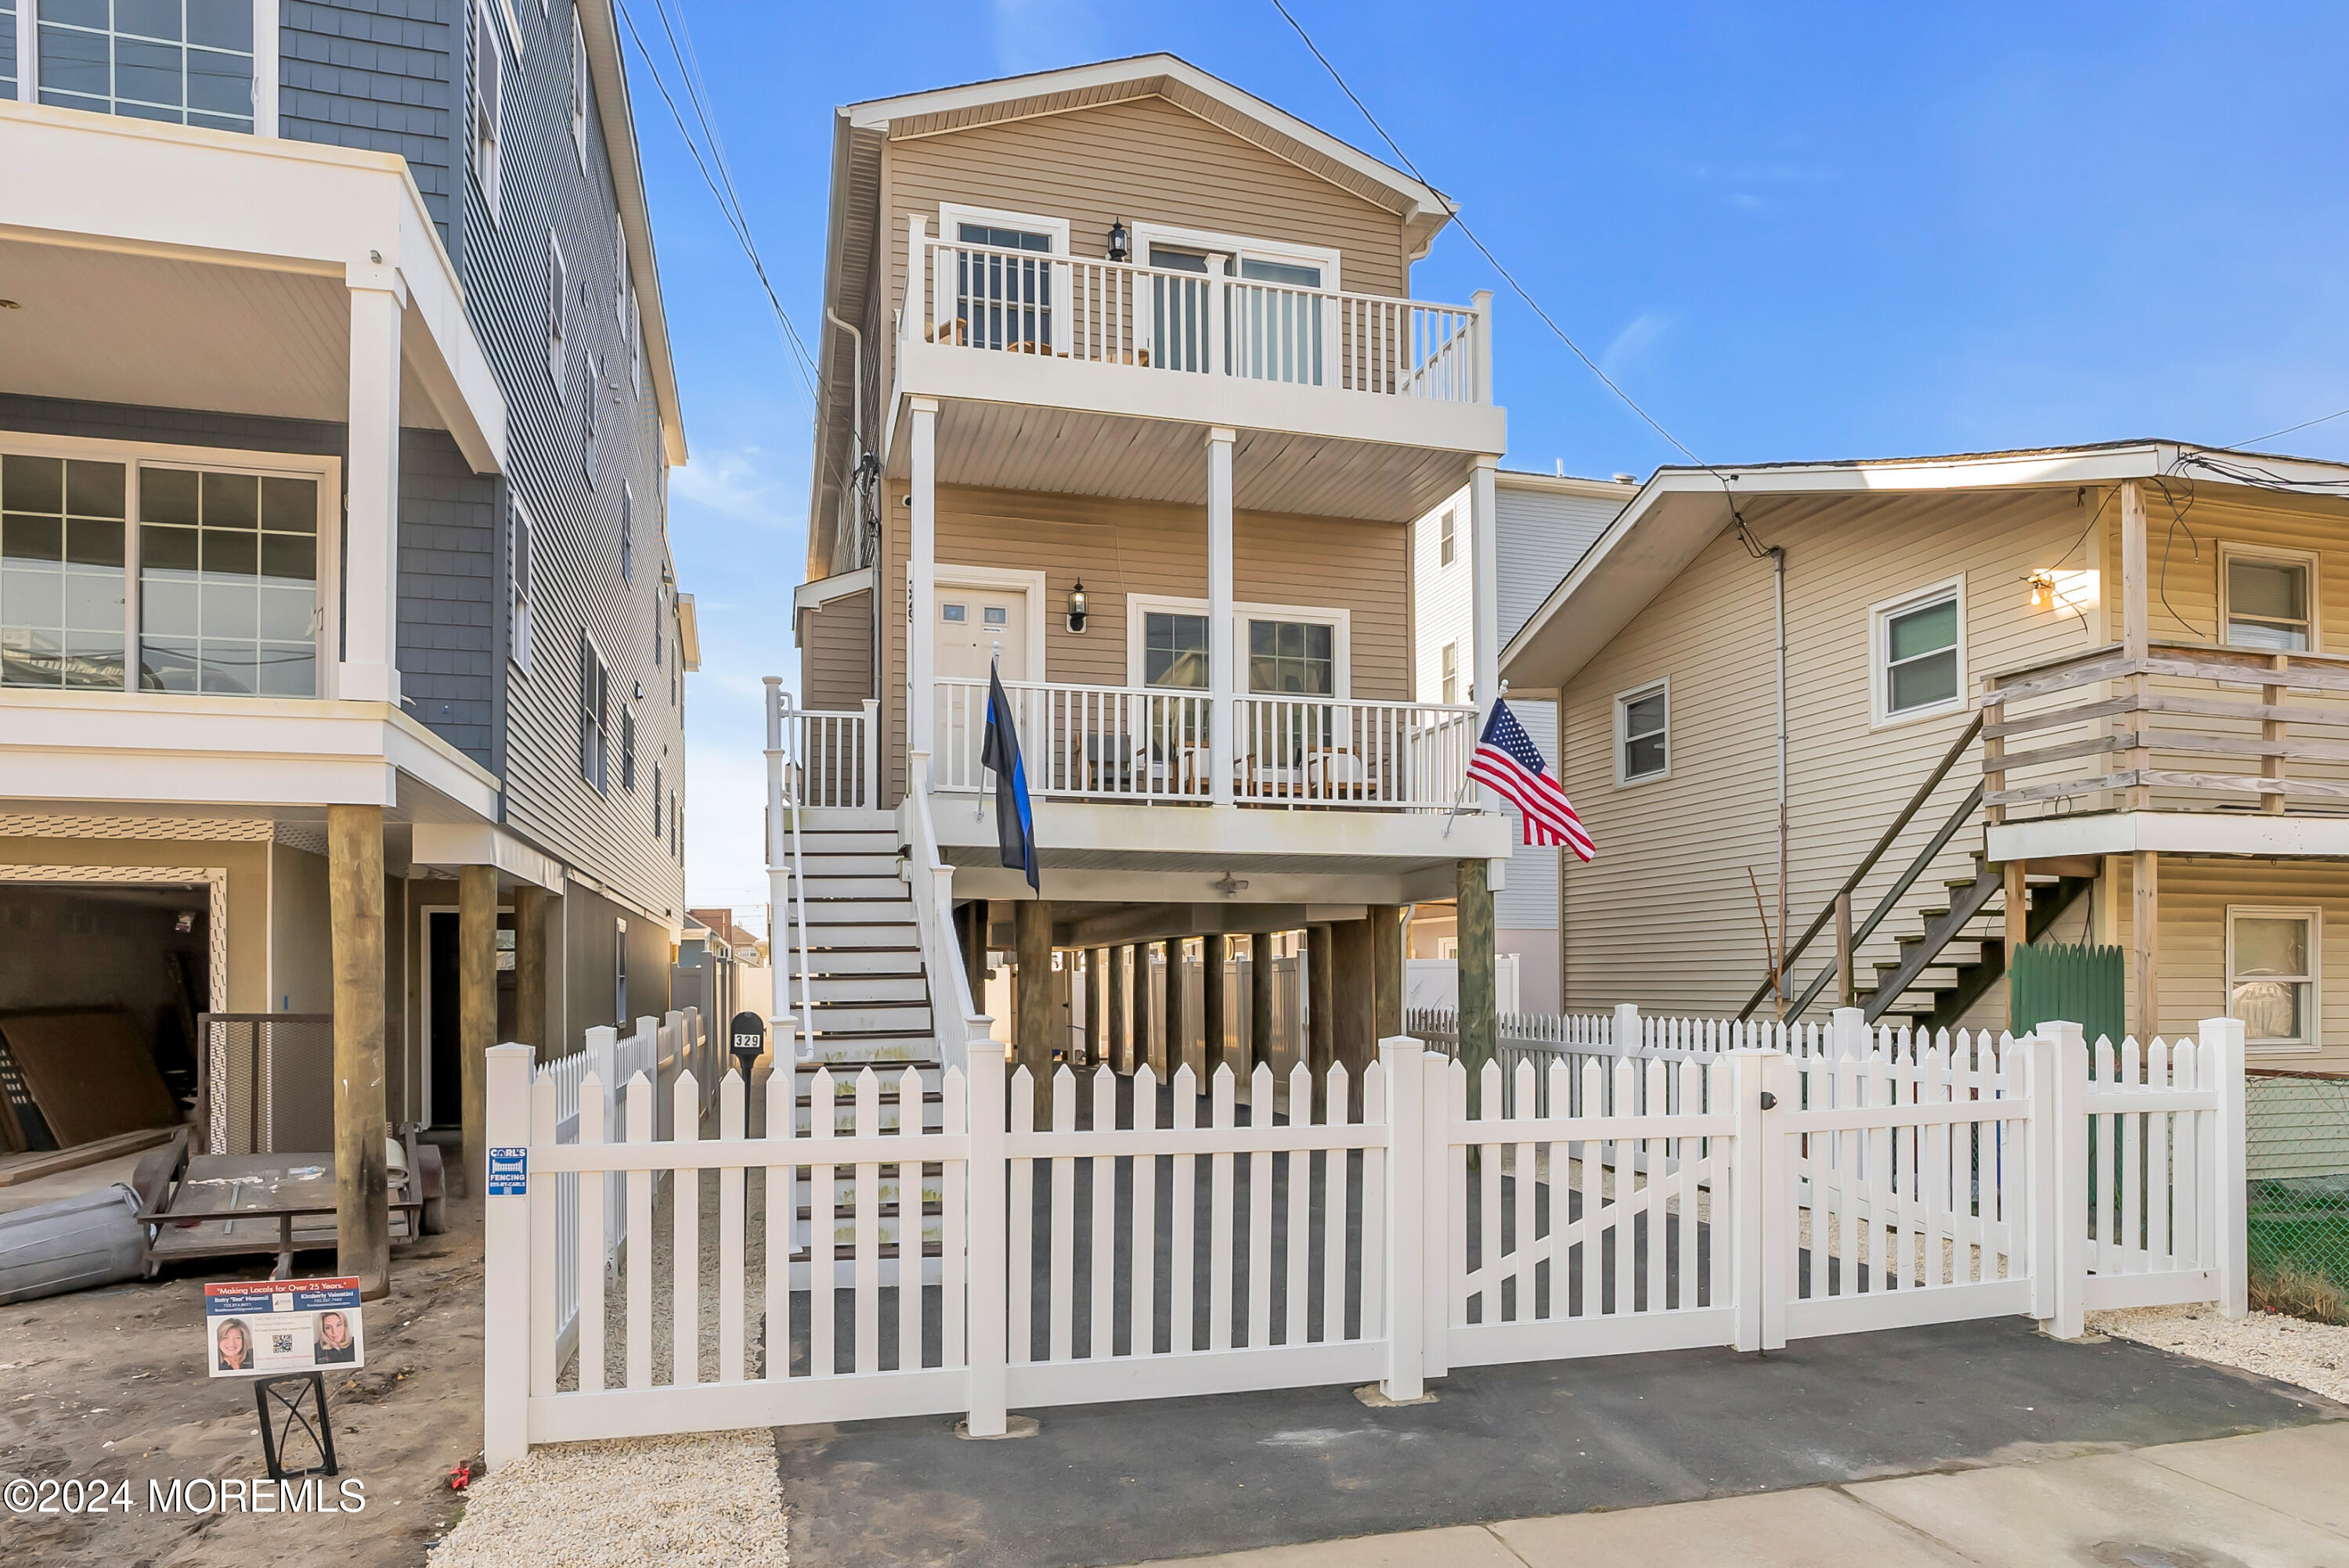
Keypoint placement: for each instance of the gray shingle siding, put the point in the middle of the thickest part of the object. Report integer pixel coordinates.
(376, 73)
(448, 547)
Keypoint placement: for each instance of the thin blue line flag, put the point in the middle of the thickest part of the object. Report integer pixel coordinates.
(1015, 820)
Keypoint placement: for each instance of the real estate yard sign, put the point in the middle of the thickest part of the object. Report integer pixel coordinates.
(283, 1325)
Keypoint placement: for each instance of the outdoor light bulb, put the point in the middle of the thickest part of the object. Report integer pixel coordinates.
(1077, 608)
(2043, 590)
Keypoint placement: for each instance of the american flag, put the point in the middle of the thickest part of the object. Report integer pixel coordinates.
(1506, 759)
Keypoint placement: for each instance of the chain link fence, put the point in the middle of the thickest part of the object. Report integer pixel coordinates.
(2297, 1158)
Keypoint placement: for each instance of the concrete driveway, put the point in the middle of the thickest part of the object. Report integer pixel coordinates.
(1186, 1478)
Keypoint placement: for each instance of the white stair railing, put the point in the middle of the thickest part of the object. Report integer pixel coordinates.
(788, 885)
(955, 1021)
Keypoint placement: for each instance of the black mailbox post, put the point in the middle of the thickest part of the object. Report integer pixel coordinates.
(749, 1038)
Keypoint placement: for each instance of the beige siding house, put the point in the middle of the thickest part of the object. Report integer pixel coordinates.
(1124, 398)
(2132, 651)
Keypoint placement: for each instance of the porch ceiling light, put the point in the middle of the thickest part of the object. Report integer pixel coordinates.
(1077, 608)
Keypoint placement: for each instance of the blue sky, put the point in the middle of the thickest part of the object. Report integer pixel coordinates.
(1791, 231)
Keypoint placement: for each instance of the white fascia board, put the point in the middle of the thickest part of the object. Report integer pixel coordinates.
(944, 370)
(215, 750)
(2171, 832)
(876, 114)
(479, 844)
(824, 590)
(617, 115)
(138, 186)
(1228, 836)
(1564, 484)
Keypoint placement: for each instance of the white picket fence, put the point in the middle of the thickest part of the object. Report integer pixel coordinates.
(1087, 1250)
(662, 1048)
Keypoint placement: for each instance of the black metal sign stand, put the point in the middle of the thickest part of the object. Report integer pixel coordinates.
(296, 1399)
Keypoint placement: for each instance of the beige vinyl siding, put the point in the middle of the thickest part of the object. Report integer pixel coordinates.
(1120, 547)
(2184, 525)
(2192, 947)
(1665, 917)
(836, 652)
(1144, 161)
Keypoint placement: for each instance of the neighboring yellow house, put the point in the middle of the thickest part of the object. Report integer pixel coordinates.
(2134, 649)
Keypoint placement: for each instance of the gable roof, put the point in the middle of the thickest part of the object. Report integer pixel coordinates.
(1681, 510)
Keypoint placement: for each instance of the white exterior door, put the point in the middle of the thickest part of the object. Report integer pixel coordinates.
(980, 624)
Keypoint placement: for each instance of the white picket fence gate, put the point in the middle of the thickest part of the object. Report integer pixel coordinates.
(1580, 1207)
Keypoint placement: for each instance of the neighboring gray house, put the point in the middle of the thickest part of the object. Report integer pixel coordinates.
(1542, 523)
(336, 418)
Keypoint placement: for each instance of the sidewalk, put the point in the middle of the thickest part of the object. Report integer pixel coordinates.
(2276, 1497)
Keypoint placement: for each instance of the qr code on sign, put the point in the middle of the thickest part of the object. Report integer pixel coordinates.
(280, 1344)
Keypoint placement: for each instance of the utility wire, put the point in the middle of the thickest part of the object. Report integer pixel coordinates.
(1510, 278)
(730, 211)
(2288, 430)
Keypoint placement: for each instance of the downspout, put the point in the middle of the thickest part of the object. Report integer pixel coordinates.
(1779, 583)
(855, 467)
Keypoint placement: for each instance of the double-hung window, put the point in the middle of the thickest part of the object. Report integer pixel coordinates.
(190, 62)
(1918, 663)
(1447, 541)
(628, 750)
(1451, 657)
(1005, 280)
(1175, 650)
(2269, 599)
(518, 548)
(628, 536)
(657, 801)
(558, 314)
(595, 704)
(489, 81)
(1292, 658)
(8, 49)
(578, 87)
(587, 401)
(1643, 734)
(2272, 973)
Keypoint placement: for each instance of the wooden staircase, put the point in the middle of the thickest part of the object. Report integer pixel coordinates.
(1945, 967)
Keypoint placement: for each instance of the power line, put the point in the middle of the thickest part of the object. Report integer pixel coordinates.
(731, 213)
(1510, 278)
(2288, 430)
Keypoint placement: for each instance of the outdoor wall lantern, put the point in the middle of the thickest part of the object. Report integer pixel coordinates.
(2043, 590)
(1077, 608)
(1118, 240)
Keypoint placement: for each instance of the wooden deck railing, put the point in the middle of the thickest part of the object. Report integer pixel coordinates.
(2187, 727)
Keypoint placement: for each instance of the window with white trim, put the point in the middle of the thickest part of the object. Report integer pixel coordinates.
(558, 315)
(619, 274)
(518, 551)
(656, 802)
(628, 538)
(2268, 598)
(8, 49)
(595, 705)
(1451, 657)
(164, 572)
(190, 62)
(1642, 734)
(1175, 650)
(2273, 965)
(578, 87)
(1447, 545)
(587, 401)
(1917, 660)
(1292, 658)
(489, 90)
(628, 749)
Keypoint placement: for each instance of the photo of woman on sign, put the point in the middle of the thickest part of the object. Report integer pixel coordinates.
(235, 1346)
(334, 1339)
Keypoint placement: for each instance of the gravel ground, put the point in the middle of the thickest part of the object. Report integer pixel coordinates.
(707, 1501)
(654, 1503)
(2313, 1356)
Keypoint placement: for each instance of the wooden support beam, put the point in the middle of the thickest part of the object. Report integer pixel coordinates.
(1212, 948)
(1117, 1039)
(1144, 1028)
(1386, 965)
(2016, 896)
(974, 952)
(2145, 943)
(1092, 985)
(355, 925)
(477, 1010)
(1175, 1041)
(1846, 985)
(1355, 978)
(2271, 731)
(531, 969)
(1479, 1022)
(1031, 935)
(1260, 981)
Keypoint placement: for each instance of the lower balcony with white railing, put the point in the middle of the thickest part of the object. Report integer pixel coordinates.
(1154, 746)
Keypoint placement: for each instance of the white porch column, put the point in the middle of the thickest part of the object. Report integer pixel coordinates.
(1223, 645)
(1484, 615)
(921, 586)
(369, 667)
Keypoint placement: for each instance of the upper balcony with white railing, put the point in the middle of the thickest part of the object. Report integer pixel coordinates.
(1009, 326)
